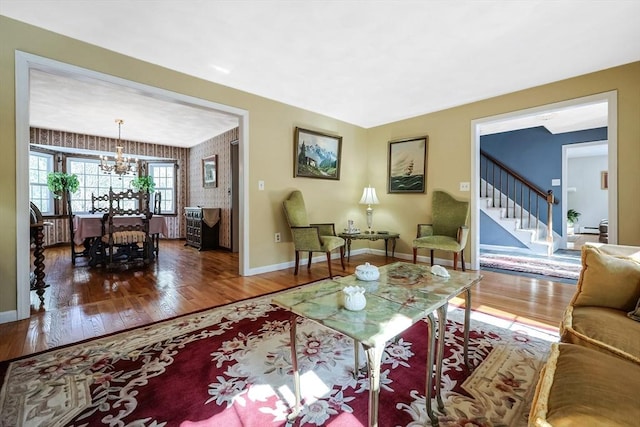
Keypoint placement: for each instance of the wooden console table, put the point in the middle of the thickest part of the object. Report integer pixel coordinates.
(348, 237)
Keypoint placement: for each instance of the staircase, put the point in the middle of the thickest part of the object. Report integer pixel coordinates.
(518, 206)
(517, 221)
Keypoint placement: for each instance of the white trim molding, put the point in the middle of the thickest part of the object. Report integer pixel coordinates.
(610, 97)
(26, 62)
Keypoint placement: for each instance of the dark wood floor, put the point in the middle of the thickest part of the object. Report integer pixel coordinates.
(84, 302)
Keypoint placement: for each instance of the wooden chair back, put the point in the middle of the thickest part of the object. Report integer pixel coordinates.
(99, 203)
(125, 229)
(157, 203)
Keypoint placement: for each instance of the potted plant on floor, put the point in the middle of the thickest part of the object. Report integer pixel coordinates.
(572, 220)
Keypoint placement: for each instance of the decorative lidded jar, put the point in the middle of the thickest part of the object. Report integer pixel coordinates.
(367, 272)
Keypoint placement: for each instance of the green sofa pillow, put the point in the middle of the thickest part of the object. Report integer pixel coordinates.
(607, 281)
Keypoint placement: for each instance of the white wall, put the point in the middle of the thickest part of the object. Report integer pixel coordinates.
(588, 198)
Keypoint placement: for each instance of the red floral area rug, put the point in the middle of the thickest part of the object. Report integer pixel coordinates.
(231, 366)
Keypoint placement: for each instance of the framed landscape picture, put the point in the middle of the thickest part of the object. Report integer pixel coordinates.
(210, 171)
(407, 165)
(316, 155)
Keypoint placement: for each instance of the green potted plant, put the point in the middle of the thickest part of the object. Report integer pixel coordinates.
(144, 183)
(572, 219)
(60, 182)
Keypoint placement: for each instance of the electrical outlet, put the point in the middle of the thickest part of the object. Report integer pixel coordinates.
(277, 238)
(465, 186)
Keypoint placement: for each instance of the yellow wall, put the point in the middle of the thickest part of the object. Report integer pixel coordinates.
(364, 152)
(271, 133)
(449, 156)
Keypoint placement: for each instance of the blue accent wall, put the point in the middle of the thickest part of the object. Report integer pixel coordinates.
(536, 154)
(494, 235)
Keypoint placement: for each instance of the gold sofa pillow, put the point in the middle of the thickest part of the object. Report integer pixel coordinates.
(607, 281)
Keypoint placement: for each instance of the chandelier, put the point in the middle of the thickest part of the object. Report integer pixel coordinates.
(120, 164)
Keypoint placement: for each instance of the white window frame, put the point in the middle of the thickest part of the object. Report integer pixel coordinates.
(168, 204)
(81, 200)
(49, 158)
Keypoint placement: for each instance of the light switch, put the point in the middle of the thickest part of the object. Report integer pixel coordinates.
(465, 186)
(555, 182)
(261, 185)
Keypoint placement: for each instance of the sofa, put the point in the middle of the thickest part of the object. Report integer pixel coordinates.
(592, 376)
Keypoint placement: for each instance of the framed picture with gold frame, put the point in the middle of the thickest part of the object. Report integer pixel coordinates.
(604, 180)
(316, 155)
(210, 171)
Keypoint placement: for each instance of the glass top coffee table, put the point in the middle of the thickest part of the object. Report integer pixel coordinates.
(403, 295)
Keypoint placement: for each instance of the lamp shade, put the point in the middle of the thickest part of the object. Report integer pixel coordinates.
(369, 196)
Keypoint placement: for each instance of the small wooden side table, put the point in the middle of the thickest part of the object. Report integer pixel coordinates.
(348, 237)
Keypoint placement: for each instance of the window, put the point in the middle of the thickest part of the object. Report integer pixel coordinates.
(40, 164)
(94, 181)
(164, 177)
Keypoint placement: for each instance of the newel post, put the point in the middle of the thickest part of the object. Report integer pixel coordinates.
(550, 222)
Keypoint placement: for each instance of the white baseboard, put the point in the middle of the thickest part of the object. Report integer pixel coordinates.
(303, 261)
(322, 258)
(8, 316)
(590, 230)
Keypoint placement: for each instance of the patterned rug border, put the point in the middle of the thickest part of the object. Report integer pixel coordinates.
(538, 266)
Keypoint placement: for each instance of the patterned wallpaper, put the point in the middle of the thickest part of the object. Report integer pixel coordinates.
(59, 232)
(220, 196)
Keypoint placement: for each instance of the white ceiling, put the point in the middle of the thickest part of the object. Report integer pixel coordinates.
(91, 107)
(367, 63)
(570, 119)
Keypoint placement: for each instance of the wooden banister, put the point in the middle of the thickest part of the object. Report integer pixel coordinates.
(518, 191)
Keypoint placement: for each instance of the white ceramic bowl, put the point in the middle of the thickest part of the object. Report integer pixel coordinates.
(367, 272)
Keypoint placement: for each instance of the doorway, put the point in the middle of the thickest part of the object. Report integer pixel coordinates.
(609, 98)
(26, 62)
(235, 200)
(585, 174)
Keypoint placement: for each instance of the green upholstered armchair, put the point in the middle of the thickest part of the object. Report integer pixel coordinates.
(310, 237)
(448, 232)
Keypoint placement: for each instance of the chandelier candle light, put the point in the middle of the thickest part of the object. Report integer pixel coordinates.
(369, 198)
(121, 165)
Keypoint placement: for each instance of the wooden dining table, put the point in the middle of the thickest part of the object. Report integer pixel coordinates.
(88, 229)
(88, 226)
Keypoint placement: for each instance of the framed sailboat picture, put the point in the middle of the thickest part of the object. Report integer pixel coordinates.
(407, 165)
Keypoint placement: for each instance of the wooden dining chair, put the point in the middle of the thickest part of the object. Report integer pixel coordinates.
(125, 238)
(157, 210)
(157, 203)
(75, 253)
